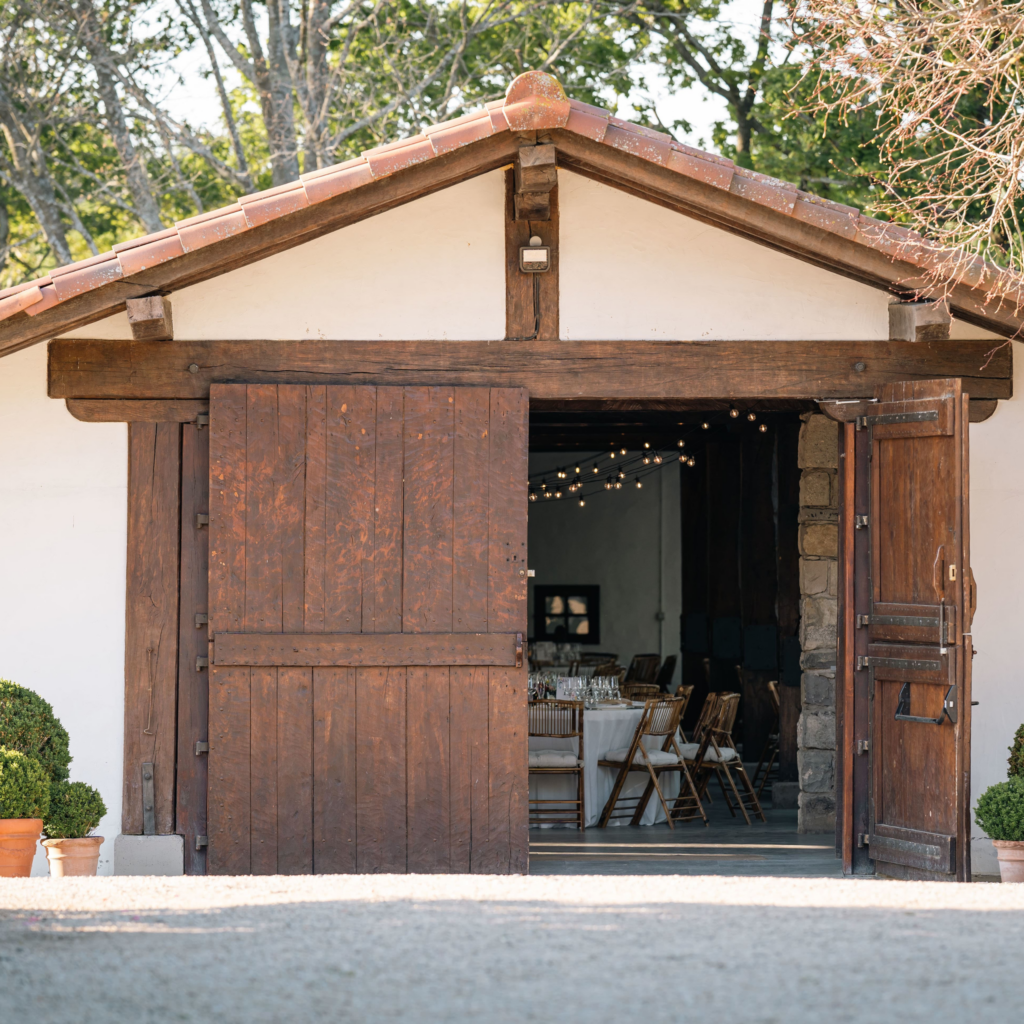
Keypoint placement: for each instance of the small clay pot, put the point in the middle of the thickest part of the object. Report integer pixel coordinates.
(18, 838)
(1011, 859)
(73, 856)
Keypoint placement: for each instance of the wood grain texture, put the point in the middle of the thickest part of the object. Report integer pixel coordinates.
(334, 771)
(193, 686)
(230, 797)
(469, 770)
(295, 771)
(263, 770)
(520, 312)
(389, 512)
(598, 370)
(428, 767)
(470, 498)
(151, 621)
(846, 748)
(128, 410)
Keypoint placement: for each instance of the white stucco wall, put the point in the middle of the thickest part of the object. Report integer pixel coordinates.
(63, 532)
(632, 270)
(626, 542)
(997, 557)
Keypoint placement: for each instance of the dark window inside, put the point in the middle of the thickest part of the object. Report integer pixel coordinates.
(567, 614)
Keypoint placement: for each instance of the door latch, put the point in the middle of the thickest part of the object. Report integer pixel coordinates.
(862, 746)
(860, 522)
(202, 619)
(202, 663)
(202, 842)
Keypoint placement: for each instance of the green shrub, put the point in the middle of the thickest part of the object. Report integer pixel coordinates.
(1016, 759)
(75, 810)
(28, 724)
(24, 786)
(1000, 810)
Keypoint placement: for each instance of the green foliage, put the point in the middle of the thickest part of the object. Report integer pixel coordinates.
(28, 724)
(1016, 758)
(75, 810)
(24, 786)
(1000, 810)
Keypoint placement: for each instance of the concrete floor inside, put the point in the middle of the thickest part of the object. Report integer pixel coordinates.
(727, 846)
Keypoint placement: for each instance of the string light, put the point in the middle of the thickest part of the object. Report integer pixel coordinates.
(657, 459)
(609, 484)
(582, 503)
(562, 474)
(558, 493)
(680, 444)
(611, 455)
(533, 495)
(647, 444)
(577, 472)
(618, 485)
(622, 451)
(622, 474)
(691, 461)
(763, 428)
(734, 413)
(638, 484)
(705, 425)
(646, 460)
(596, 468)
(751, 416)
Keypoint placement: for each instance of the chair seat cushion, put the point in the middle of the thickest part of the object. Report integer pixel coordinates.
(554, 759)
(690, 752)
(657, 757)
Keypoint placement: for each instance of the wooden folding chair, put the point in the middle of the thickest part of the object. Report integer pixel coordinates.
(721, 755)
(638, 691)
(770, 751)
(665, 673)
(557, 719)
(660, 719)
(643, 668)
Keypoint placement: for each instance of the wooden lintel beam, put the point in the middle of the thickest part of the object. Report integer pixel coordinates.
(550, 370)
(131, 410)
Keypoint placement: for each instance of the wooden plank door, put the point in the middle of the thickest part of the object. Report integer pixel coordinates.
(914, 638)
(367, 606)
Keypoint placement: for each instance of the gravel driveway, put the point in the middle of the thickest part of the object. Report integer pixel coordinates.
(462, 948)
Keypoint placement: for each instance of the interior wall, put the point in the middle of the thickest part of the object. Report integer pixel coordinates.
(63, 536)
(627, 543)
(632, 270)
(997, 557)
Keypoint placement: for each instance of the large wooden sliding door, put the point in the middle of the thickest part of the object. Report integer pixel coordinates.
(905, 642)
(367, 609)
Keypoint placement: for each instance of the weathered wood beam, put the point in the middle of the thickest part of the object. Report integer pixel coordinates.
(919, 321)
(150, 318)
(980, 409)
(130, 410)
(528, 313)
(536, 175)
(562, 370)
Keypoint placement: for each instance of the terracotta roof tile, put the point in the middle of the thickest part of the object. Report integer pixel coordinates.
(534, 101)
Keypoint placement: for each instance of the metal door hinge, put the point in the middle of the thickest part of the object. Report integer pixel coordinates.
(863, 839)
(202, 519)
(202, 663)
(860, 522)
(148, 799)
(202, 619)
(519, 650)
(202, 420)
(202, 747)
(862, 746)
(202, 842)
(904, 664)
(863, 620)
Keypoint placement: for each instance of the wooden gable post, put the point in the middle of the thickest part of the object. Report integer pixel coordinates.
(919, 321)
(150, 318)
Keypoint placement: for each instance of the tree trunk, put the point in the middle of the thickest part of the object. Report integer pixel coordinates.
(280, 97)
(744, 131)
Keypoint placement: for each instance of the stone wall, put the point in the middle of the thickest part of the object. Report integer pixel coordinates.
(819, 541)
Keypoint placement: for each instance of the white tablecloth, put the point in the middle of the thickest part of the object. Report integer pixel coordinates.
(604, 729)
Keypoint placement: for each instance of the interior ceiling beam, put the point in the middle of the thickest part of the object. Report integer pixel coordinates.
(636, 370)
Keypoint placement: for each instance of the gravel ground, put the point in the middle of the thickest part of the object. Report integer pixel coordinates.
(462, 948)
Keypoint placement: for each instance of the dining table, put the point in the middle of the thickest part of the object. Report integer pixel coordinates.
(605, 728)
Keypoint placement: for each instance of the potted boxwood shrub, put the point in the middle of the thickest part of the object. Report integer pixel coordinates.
(28, 724)
(24, 802)
(1000, 812)
(75, 810)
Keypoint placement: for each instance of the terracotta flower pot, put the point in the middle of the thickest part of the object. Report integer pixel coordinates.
(18, 838)
(1011, 859)
(73, 856)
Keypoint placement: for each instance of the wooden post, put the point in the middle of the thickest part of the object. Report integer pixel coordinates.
(150, 318)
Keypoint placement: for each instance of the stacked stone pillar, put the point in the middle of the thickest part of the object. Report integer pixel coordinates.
(818, 457)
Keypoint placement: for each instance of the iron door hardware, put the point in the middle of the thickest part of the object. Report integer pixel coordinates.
(202, 842)
(202, 619)
(948, 708)
(860, 522)
(202, 519)
(202, 747)
(863, 746)
(909, 664)
(926, 416)
(148, 799)
(202, 420)
(519, 650)
(202, 663)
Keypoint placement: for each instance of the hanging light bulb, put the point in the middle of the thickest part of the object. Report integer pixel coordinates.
(705, 425)
(680, 444)
(751, 416)
(734, 412)
(533, 495)
(582, 502)
(611, 455)
(647, 444)
(657, 459)
(596, 468)
(561, 474)
(577, 471)
(691, 461)
(622, 451)
(683, 459)
(622, 474)
(577, 482)
(763, 428)
(547, 494)
(638, 484)
(646, 460)
(558, 493)
(618, 485)
(609, 484)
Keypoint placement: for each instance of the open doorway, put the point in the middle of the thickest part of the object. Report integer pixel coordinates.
(664, 548)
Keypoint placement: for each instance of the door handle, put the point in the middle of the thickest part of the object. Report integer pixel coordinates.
(903, 708)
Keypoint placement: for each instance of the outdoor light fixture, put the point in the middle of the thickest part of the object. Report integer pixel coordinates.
(751, 416)
(734, 413)
(763, 428)
(534, 258)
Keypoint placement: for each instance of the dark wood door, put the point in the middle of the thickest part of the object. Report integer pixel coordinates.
(367, 606)
(916, 628)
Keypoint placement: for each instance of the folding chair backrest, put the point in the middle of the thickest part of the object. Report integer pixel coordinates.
(643, 668)
(665, 673)
(708, 714)
(661, 716)
(729, 706)
(773, 693)
(639, 691)
(556, 718)
(608, 668)
(684, 693)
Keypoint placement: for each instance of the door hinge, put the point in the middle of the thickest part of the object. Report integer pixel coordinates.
(202, 420)
(202, 747)
(863, 746)
(202, 842)
(202, 619)
(863, 620)
(863, 840)
(860, 522)
(148, 799)
(202, 663)
(202, 519)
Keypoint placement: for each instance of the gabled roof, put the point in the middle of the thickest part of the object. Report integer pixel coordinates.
(589, 139)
